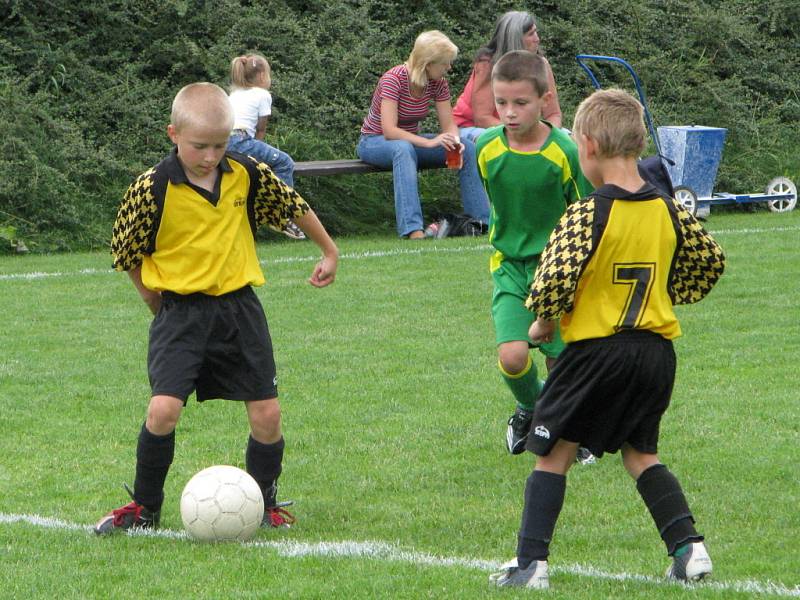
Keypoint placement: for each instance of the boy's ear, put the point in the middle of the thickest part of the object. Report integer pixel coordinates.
(172, 132)
(589, 145)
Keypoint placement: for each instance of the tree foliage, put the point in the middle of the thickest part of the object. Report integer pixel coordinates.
(85, 88)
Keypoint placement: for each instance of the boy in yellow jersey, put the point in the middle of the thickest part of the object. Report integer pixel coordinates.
(614, 267)
(185, 233)
(531, 173)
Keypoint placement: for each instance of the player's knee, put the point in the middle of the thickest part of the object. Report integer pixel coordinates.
(512, 360)
(163, 414)
(636, 462)
(264, 414)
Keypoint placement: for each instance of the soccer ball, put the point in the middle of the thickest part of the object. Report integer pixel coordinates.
(222, 503)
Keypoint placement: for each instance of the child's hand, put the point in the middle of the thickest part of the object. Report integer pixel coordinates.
(542, 331)
(324, 272)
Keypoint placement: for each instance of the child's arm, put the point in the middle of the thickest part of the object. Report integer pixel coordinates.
(553, 290)
(325, 270)
(133, 230)
(151, 298)
(261, 127)
(699, 264)
(542, 331)
(276, 203)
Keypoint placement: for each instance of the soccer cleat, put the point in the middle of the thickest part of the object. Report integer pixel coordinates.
(585, 456)
(293, 231)
(130, 516)
(275, 515)
(519, 425)
(510, 575)
(690, 563)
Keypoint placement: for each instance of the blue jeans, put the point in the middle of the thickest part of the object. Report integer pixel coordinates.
(470, 133)
(280, 162)
(404, 157)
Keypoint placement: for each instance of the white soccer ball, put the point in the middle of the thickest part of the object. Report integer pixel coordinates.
(222, 503)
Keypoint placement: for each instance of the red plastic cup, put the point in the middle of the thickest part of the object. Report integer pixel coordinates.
(454, 158)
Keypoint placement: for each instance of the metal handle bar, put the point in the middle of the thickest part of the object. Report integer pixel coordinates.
(636, 82)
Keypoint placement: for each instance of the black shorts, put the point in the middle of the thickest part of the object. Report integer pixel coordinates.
(217, 345)
(605, 392)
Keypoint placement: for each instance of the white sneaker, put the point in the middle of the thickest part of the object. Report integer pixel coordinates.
(293, 231)
(692, 565)
(585, 456)
(510, 575)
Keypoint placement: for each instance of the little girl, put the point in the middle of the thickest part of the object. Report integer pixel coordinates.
(252, 106)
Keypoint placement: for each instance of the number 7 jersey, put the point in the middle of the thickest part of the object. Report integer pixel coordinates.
(619, 260)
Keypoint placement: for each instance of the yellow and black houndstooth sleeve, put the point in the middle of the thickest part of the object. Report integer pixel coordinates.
(553, 290)
(700, 261)
(133, 229)
(275, 202)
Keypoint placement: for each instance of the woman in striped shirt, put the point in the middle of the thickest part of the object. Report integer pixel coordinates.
(390, 134)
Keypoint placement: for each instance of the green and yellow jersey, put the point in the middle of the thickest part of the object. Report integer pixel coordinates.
(188, 239)
(619, 260)
(528, 191)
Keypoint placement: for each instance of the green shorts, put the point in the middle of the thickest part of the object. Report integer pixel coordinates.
(512, 282)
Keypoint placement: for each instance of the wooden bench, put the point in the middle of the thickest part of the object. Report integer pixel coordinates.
(354, 166)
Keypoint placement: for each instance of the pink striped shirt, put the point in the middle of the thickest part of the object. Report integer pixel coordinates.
(394, 85)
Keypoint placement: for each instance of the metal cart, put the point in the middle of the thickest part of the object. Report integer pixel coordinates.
(691, 157)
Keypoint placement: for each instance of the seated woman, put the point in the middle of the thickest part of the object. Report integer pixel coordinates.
(474, 111)
(390, 134)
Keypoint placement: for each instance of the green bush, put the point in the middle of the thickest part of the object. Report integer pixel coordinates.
(85, 89)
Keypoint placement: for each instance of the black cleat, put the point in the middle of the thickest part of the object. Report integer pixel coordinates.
(585, 456)
(275, 515)
(519, 426)
(130, 516)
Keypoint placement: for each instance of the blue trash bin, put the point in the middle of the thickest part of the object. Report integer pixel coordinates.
(697, 152)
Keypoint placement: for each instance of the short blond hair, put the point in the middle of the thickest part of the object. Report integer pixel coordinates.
(615, 121)
(429, 47)
(201, 104)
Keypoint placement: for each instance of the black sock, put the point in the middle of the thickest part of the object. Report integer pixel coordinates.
(667, 504)
(264, 463)
(154, 455)
(544, 497)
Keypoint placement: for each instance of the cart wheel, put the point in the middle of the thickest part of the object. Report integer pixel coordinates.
(781, 185)
(686, 196)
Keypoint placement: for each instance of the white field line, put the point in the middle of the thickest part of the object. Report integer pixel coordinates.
(367, 254)
(381, 551)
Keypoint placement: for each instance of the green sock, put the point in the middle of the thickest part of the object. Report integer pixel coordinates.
(525, 385)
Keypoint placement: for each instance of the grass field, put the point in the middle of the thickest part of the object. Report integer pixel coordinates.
(394, 415)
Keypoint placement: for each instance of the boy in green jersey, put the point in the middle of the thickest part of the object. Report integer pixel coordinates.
(531, 173)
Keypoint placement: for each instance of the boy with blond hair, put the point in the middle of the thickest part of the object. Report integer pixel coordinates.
(185, 233)
(614, 267)
(531, 173)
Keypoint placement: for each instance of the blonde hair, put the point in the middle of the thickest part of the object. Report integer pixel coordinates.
(201, 104)
(247, 71)
(614, 120)
(429, 47)
(521, 65)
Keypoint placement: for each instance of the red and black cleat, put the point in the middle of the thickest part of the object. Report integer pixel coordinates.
(130, 516)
